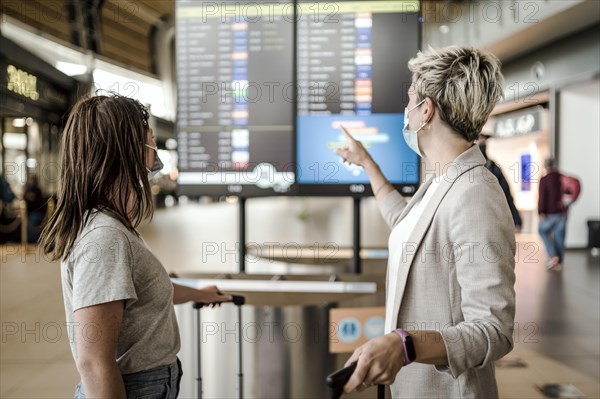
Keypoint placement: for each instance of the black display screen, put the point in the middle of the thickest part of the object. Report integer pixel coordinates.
(263, 88)
(352, 72)
(236, 97)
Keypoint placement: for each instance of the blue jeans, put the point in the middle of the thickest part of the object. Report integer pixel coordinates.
(552, 229)
(159, 383)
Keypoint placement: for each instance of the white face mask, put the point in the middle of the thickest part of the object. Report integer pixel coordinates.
(157, 165)
(410, 136)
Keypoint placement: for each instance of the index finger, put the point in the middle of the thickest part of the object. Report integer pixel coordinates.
(347, 134)
(357, 377)
(354, 357)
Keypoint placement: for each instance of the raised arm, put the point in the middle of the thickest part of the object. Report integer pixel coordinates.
(391, 203)
(354, 152)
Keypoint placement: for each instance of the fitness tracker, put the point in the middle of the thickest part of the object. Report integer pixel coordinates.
(408, 345)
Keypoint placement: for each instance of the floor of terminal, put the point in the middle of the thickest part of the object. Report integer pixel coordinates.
(558, 317)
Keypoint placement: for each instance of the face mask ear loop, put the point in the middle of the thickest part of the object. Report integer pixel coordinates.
(422, 101)
(422, 126)
(155, 150)
(152, 148)
(407, 111)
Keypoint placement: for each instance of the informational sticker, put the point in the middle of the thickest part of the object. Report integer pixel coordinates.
(350, 328)
(374, 327)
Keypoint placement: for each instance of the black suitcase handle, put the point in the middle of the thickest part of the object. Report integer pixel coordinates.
(339, 378)
(237, 300)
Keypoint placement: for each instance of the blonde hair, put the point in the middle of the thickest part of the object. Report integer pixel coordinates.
(465, 83)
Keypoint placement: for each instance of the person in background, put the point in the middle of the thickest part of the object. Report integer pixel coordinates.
(6, 194)
(450, 304)
(118, 296)
(552, 223)
(9, 224)
(496, 171)
(36, 208)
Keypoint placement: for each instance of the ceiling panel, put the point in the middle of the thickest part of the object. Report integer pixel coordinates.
(163, 7)
(49, 17)
(125, 28)
(125, 25)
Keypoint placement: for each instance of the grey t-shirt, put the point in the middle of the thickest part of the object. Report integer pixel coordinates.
(110, 263)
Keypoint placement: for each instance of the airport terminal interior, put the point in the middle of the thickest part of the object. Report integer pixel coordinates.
(247, 101)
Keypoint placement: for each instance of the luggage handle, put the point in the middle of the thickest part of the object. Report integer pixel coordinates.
(238, 301)
(339, 378)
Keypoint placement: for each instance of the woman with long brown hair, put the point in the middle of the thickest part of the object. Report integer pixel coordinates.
(118, 296)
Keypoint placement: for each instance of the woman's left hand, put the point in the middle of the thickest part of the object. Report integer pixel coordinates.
(212, 296)
(379, 360)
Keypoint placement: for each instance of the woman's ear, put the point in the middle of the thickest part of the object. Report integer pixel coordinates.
(428, 110)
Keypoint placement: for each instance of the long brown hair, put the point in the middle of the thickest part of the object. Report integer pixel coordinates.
(102, 167)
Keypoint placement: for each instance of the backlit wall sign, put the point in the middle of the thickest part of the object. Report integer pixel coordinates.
(21, 82)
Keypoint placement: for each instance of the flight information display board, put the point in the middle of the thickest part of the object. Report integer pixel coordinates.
(263, 88)
(236, 97)
(352, 71)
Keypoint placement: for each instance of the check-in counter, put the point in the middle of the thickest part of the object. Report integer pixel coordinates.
(285, 333)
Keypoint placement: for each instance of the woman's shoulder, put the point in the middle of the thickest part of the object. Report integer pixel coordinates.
(101, 228)
(96, 219)
(478, 178)
(477, 188)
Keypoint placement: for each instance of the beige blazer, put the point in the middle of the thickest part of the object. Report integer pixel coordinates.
(456, 276)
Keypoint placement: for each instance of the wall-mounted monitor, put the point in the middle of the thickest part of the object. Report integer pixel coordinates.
(263, 88)
(236, 97)
(352, 71)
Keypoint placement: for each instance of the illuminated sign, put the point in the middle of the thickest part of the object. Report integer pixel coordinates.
(517, 123)
(21, 82)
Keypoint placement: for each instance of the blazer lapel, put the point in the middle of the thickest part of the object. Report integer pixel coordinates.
(464, 163)
(418, 195)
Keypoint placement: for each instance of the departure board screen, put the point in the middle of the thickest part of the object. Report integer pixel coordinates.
(352, 71)
(264, 87)
(236, 97)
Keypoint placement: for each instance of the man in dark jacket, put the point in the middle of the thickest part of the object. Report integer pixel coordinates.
(496, 171)
(553, 215)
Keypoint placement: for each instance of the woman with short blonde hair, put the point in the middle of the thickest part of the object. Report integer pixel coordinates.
(450, 299)
(464, 83)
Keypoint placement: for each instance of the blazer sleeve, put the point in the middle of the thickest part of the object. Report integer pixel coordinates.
(391, 207)
(484, 259)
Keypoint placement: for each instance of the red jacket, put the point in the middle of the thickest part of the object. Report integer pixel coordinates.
(550, 195)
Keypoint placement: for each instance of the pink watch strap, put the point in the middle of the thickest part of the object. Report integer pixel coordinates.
(403, 334)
